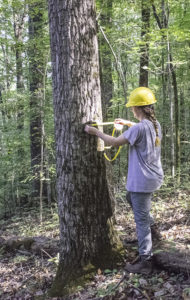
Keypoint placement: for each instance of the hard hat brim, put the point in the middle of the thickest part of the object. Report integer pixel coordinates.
(130, 104)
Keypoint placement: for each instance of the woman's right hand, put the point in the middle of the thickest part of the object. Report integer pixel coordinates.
(90, 130)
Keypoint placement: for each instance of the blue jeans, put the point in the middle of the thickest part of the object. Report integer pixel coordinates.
(141, 204)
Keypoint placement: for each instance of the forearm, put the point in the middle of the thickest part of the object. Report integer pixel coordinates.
(109, 140)
(112, 141)
(129, 123)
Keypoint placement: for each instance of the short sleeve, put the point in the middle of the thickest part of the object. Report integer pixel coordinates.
(133, 134)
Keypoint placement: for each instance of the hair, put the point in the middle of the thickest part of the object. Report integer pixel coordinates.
(150, 115)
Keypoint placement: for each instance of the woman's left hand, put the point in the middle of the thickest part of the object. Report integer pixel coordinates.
(90, 130)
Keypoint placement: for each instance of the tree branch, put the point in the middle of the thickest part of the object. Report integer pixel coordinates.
(118, 66)
(156, 16)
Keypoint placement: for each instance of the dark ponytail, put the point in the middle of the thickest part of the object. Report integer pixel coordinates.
(150, 115)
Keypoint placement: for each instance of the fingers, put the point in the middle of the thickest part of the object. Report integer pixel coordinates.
(86, 128)
(90, 130)
(119, 121)
(118, 126)
(124, 122)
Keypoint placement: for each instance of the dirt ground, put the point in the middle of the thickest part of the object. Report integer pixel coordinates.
(26, 274)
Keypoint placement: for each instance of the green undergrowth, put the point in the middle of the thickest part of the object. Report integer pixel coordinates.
(28, 224)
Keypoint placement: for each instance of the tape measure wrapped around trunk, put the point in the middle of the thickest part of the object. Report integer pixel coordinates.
(118, 127)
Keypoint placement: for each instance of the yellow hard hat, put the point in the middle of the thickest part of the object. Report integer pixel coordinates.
(140, 97)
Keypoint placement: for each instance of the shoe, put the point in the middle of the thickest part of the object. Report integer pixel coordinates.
(140, 266)
(155, 232)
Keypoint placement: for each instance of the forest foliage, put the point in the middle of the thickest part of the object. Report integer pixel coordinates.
(120, 44)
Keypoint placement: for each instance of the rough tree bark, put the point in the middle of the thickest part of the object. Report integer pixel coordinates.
(86, 232)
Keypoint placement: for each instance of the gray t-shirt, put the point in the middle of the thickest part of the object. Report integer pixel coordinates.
(145, 172)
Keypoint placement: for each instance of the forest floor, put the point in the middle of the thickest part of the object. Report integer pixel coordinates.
(26, 274)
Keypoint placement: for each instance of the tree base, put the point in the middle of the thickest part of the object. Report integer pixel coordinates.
(63, 286)
(70, 281)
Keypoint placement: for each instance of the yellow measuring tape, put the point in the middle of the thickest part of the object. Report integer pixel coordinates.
(109, 147)
(117, 153)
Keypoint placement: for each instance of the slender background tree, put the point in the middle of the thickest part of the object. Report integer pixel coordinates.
(144, 48)
(37, 64)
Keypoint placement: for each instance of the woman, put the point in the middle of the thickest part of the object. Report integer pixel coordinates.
(145, 174)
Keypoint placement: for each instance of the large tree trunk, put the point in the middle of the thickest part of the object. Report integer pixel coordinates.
(84, 204)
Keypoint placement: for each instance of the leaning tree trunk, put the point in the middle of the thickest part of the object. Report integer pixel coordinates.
(84, 204)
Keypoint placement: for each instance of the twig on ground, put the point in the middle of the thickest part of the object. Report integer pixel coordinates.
(118, 284)
(130, 285)
(142, 293)
(46, 253)
(24, 252)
